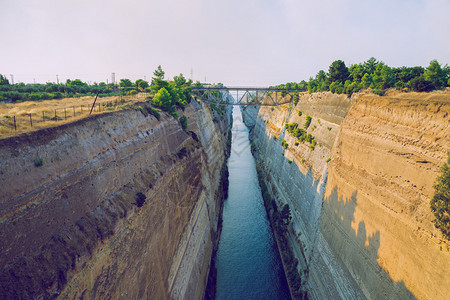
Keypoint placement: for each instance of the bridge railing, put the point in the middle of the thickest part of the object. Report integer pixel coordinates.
(264, 96)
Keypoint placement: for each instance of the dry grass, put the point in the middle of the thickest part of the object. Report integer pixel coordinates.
(67, 110)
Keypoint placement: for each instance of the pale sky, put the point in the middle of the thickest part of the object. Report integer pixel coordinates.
(236, 42)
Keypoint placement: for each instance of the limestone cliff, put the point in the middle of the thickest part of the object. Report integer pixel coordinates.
(72, 228)
(361, 226)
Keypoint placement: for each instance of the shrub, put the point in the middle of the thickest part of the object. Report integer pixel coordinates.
(300, 113)
(329, 128)
(328, 159)
(284, 144)
(440, 204)
(38, 162)
(153, 112)
(183, 122)
(420, 84)
(140, 199)
(272, 109)
(378, 92)
(132, 92)
(308, 122)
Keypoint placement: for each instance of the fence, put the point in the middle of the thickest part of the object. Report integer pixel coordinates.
(42, 117)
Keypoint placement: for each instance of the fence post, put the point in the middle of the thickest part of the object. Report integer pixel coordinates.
(43, 117)
(15, 128)
(31, 121)
(56, 119)
(65, 114)
(99, 109)
(74, 111)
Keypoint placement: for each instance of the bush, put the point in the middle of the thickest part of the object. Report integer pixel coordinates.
(183, 122)
(38, 162)
(132, 92)
(308, 122)
(420, 84)
(140, 199)
(284, 144)
(378, 92)
(153, 112)
(440, 204)
(300, 113)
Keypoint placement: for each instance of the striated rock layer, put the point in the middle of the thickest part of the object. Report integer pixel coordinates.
(361, 223)
(72, 227)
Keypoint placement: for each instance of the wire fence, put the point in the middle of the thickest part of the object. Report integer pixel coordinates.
(20, 118)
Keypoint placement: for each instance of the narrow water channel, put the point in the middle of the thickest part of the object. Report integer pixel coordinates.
(247, 260)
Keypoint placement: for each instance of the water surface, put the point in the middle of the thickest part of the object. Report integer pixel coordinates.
(248, 263)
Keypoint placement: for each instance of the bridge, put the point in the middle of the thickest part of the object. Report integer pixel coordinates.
(245, 96)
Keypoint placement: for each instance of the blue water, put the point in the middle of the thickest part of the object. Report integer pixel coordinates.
(247, 260)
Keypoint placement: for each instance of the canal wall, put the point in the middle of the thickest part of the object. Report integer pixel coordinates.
(359, 198)
(116, 206)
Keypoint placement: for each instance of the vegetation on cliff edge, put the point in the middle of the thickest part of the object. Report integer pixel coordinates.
(440, 204)
(375, 75)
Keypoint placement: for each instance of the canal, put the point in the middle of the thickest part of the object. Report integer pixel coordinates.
(247, 260)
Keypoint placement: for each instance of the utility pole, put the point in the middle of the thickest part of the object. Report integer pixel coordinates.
(113, 78)
(12, 78)
(57, 79)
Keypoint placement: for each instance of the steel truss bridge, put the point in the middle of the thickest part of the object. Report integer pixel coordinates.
(245, 96)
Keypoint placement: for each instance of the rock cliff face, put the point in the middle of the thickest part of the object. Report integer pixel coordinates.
(361, 223)
(72, 228)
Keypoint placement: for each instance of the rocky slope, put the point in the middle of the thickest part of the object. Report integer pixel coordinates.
(361, 226)
(72, 228)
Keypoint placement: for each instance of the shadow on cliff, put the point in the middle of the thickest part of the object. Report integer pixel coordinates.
(359, 252)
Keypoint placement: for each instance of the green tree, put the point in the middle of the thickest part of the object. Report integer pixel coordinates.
(440, 204)
(312, 85)
(3, 80)
(370, 65)
(338, 71)
(159, 73)
(356, 72)
(141, 84)
(163, 100)
(420, 84)
(125, 83)
(366, 80)
(387, 77)
(436, 74)
(158, 81)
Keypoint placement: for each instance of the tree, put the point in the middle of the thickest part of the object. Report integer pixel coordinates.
(338, 71)
(125, 83)
(366, 80)
(356, 72)
(370, 65)
(387, 77)
(420, 84)
(312, 85)
(163, 100)
(141, 84)
(436, 74)
(3, 80)
(440, 204)
(158, 81)
(159, 73)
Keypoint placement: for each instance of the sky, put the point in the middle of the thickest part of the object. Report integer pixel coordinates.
(235, 42)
